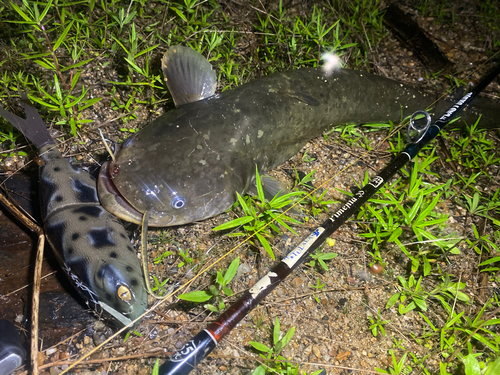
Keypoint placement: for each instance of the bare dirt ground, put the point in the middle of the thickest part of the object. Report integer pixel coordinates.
(332, 326)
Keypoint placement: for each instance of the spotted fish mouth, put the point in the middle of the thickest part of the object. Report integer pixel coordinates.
(112, 200)
(119, 297)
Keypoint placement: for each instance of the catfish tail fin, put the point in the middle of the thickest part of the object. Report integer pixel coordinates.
(32, 127)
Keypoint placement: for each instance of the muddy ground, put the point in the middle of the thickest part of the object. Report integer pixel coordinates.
(332, 326)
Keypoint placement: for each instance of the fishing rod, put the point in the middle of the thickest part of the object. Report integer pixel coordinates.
(201, 345)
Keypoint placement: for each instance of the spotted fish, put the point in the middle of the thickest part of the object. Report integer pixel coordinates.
(188, 164)
(91, 245)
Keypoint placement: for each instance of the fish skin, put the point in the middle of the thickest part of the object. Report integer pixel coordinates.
(90, 243)
(203, 152)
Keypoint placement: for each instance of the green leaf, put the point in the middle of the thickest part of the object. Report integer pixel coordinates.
(235, 223)
(146, 51)
(471, 365)
(62, 37)
(260, 347)
(442, 368)
(416, 206)
(258, 184)
(211, 308)
(328, 256)
(392, 301)
(288, 336)
(213, 290)
(220, 279)
(197, 296)
(179, 13)
(420, 302)
(405, 309)
(427, 266)
(395, 234)
(453, 321)
(489, 261)
(77, 65)
(261, 370)
(231, 271)
(493, 368)
(266, 245)
(276, 331)
(156, 368)
(21, 13)
(134, 66)
(45, 65)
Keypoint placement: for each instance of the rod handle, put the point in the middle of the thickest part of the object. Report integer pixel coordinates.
(190, 355)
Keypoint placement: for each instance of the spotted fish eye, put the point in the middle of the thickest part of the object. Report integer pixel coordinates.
(124, 293)
(178, 202)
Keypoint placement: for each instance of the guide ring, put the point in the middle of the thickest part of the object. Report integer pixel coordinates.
(417, 127)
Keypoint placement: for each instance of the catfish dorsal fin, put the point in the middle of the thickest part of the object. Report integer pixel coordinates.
(188, 74)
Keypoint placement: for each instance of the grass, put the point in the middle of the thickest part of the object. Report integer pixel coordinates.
(74, 58)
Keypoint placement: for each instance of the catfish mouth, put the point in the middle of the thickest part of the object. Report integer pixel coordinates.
(112, 200)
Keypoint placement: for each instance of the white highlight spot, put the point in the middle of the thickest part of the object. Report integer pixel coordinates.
(332, 63)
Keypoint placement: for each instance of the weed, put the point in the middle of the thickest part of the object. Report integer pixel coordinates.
(261, 216)
(321, 257)
(216, 289)
(271, 355)
(377, 324)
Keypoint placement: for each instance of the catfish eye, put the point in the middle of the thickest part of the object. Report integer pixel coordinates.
(178, 202)
(124, 293)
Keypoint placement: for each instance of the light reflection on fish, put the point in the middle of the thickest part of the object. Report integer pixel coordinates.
(91, 245)
(188, 164)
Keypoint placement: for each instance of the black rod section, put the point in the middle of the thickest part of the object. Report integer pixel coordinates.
(201, 345)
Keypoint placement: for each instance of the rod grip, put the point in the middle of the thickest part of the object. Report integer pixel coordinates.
(190, 355)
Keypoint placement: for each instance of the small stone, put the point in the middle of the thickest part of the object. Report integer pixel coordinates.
(223, 368)
(41, 358)
(296, 283)
(344, 355)
(63, 355)
(316, 351)
(86, 340)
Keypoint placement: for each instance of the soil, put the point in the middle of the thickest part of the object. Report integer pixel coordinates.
(331, 324)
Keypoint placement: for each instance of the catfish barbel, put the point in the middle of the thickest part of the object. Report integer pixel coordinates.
(188, 164)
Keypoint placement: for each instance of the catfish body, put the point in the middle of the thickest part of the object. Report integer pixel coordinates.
(188, 164)
(91, 245)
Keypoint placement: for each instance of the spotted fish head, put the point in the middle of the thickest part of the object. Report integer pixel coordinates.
(118, 294)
